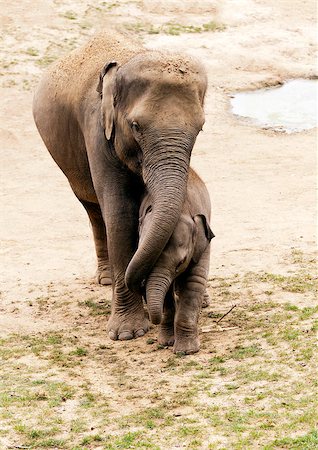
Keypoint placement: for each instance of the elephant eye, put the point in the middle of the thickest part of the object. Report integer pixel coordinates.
(149, 209)
(180, 264)
(135, 127)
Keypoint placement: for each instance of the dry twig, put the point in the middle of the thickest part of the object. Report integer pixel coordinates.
(18, 446)
(218, 321)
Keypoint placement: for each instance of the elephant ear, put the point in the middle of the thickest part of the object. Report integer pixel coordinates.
(202, 236)
(105, 89)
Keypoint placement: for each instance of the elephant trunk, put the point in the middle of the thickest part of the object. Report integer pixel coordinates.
(157, 286)
(165, 174)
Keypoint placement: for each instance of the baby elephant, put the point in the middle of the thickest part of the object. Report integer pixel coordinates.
(176, 286)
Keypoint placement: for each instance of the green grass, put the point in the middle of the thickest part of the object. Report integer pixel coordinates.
(71, 15)
(308, 441)
(32, 51)
(96, 308)
(300, 283)
(174, 28)
(46, 60)
(241, 352)
(91, 439)
(129, 440)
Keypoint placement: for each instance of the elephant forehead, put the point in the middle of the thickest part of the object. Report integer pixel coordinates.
(183, 232)
(175, 67)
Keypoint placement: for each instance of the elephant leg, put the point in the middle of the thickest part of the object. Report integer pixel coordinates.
(166, 331)
(128, 317)
(206, 300)
(103, 275)
(119, 195)
(191, 289)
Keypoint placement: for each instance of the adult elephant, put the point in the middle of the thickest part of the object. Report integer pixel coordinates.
(113, 129)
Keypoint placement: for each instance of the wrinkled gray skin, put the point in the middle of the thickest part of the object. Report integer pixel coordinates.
(175, 287)
(118, 119)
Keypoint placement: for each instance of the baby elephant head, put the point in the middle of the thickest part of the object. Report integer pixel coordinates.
(187, 244)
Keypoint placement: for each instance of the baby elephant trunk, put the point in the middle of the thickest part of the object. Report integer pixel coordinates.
(157, 286)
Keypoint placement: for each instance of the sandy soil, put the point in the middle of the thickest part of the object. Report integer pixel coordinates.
(261, 182)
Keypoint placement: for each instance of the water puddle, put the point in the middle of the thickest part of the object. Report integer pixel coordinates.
(290, 108)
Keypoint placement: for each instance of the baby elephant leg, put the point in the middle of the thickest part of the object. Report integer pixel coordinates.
(189, 298)
(188, 305)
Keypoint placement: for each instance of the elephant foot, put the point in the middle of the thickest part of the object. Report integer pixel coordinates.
(166, 336)
(206, 300)
(186, 345)
(127, 326)
(103, 276)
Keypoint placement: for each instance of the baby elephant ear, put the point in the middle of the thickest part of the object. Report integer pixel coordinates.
(105, 88)
(202, 236)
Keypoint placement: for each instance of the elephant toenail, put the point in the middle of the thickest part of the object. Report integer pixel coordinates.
(105, 281)
(125, 336)
(139, 333)
(112, 335)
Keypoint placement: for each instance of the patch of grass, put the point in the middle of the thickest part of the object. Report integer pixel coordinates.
(80, 351)
(32, 51)
(7, 64)
(297, 256)
(242, 352)
(71, 15)
(78, 426)
(248, 374)
(289, 307)
(9, 350)
(183, 397)
(46, 60)
(54, 339)
(110, 5)
(174, 28)
(88, 400)
(36, 433)
(129, 440)
(298, 283)
(290, 334)
(185, 431)
(99, 308)
(148, 418)
(217, 360)
(308, 441)
(307, 312)
(91, 439)
(52, 443)
(314, 327)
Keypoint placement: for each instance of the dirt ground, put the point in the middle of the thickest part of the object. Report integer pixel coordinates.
(261, 184)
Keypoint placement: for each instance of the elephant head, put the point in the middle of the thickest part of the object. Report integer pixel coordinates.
(152, 112)
(186, 245)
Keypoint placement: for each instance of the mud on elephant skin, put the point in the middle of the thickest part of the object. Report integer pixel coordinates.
(117, 118)
(176, 286)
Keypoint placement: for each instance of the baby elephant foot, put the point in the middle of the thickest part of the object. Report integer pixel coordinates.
(127, 326)
(186, 345)
(166, 335)
(103, 275)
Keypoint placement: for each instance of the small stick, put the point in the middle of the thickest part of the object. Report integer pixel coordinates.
(18, 446)
(217, 321)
